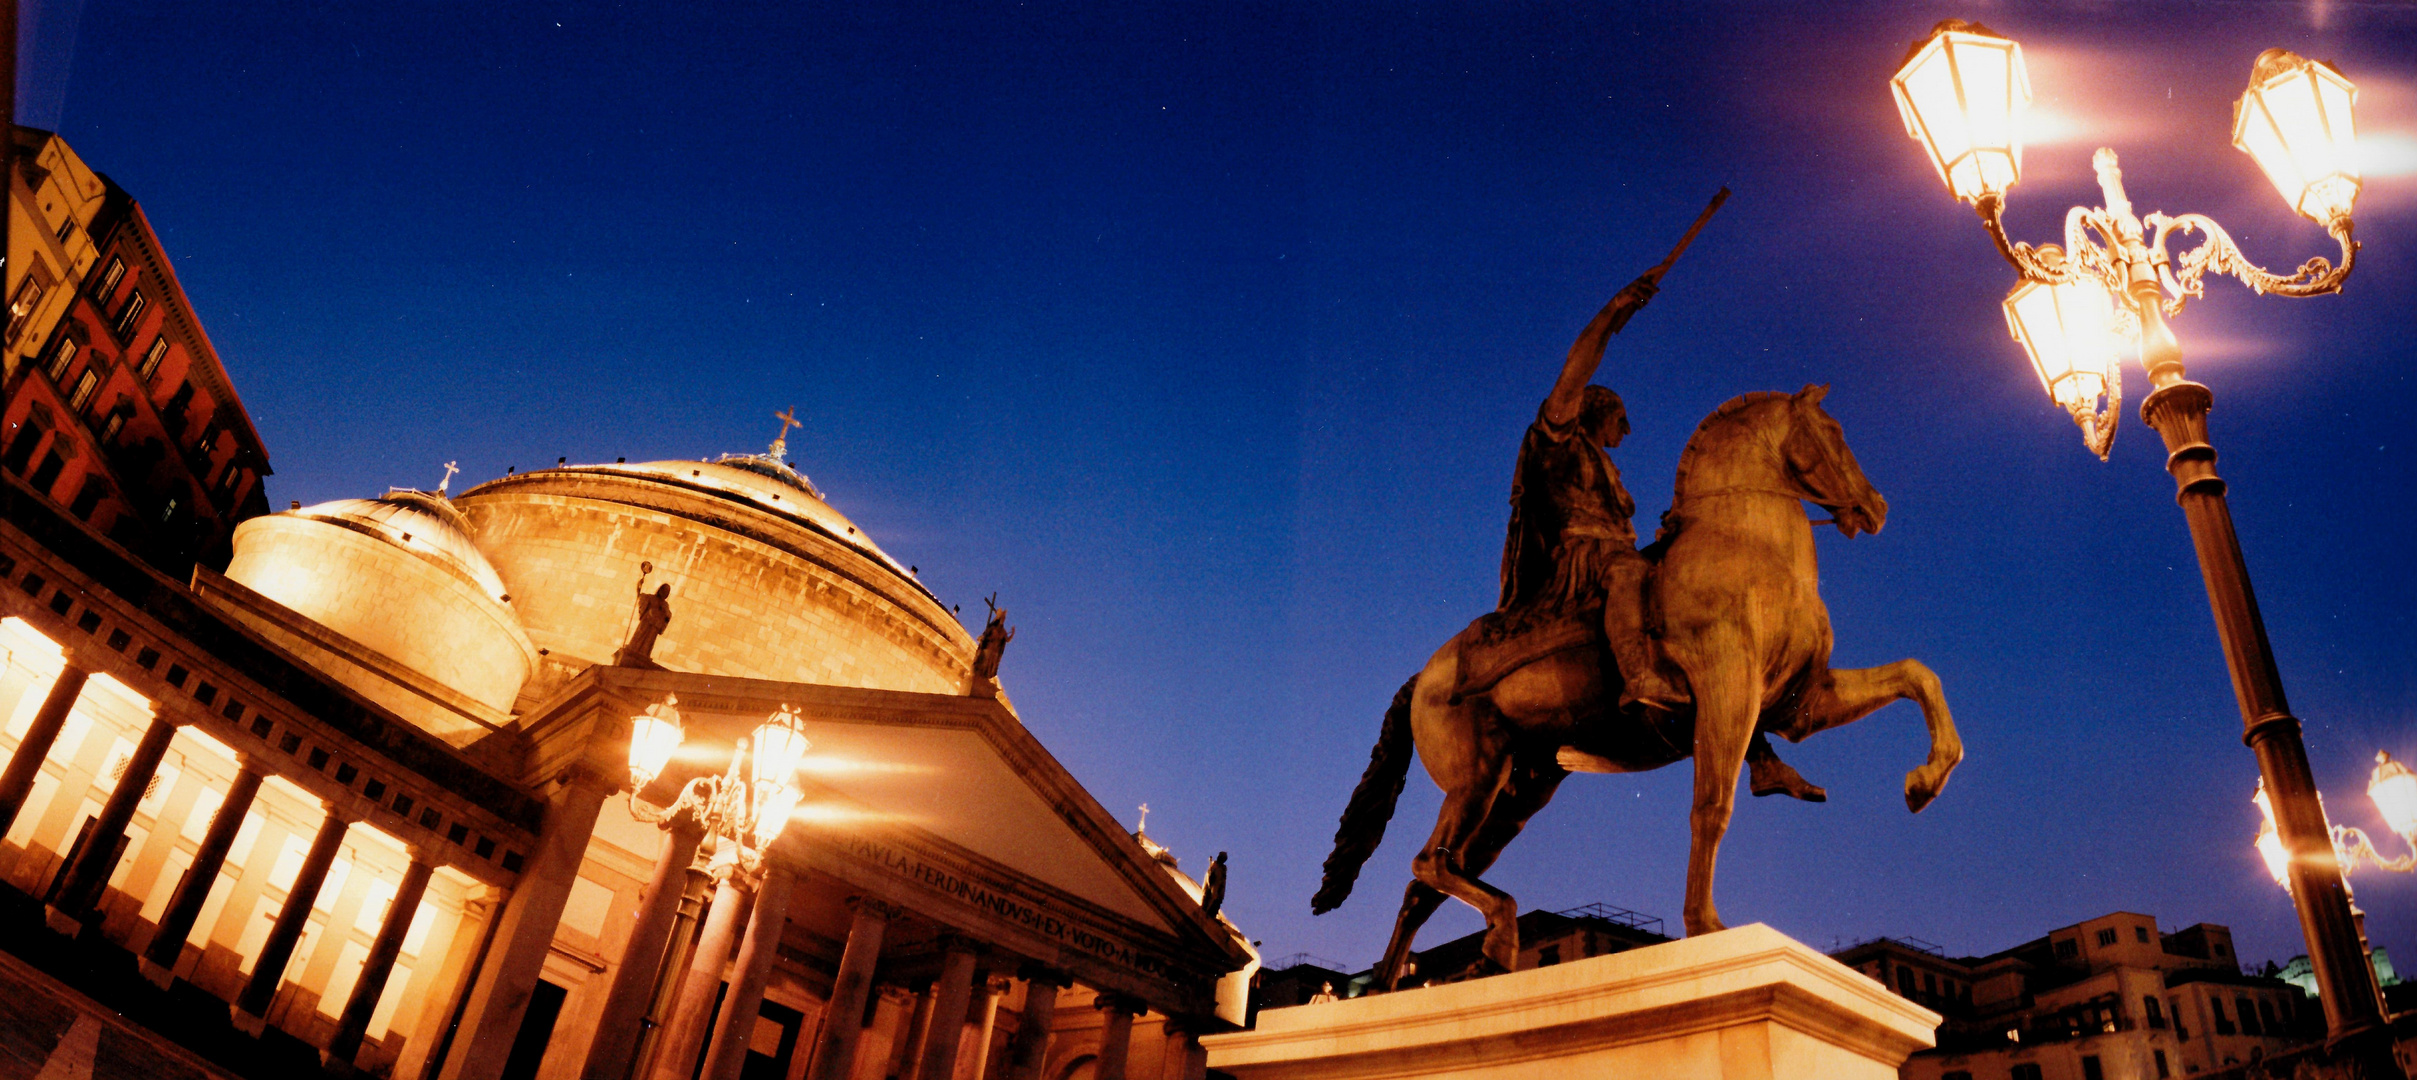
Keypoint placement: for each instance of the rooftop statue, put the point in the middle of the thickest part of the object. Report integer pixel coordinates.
(991, 648)
(1604, 658)
(654, 613)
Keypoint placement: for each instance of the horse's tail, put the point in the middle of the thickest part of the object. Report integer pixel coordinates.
(1371, 806)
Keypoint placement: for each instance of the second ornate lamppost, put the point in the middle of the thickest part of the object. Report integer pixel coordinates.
(744, 809)
(1962, 91)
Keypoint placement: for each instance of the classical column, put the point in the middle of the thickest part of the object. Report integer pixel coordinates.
(692, 1014)
(695, 895)
(371, 985)
(251, 1009)
(176, 923)
(81, 882)
(634, 980)
(1115, 1035)
(1032, 1037)
(906, 1058)
(952, 996)
(524, 931)
(891, 1021)
(17, 781)
(748, 973)
(1185, 1058)
(988, 1007)
(843, 1026)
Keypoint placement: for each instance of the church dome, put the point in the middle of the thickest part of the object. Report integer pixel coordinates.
(399, 577)
(768, 581)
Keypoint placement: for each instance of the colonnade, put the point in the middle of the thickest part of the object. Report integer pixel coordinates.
(674, 964)
(78, 887)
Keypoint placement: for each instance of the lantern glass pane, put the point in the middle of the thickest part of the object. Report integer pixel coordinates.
(779, 746)
(2296, 123)
(2068, 331)
(777, 803)
(652, 741)
(1926, 94)
(2395, 795)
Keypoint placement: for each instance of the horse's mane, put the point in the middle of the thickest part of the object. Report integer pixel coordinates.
(1726, 413)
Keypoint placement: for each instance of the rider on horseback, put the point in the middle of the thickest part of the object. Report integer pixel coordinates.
(1571, 543)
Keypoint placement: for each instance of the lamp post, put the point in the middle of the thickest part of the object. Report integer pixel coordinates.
(1962, 91)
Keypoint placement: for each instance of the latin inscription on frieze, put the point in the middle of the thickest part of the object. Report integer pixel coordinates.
(1048, 924)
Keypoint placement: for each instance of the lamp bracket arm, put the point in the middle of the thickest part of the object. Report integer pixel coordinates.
(2184, 275)
(2032, 263)
(2351, 844)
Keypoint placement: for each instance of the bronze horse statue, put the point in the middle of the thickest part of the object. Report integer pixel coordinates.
(1742, 622)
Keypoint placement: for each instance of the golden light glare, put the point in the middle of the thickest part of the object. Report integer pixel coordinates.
(1962, 92)
(2394, 790)
(776, 804)
(2294, 121)
(2270, 842)
(834, 765)
(2068, 331)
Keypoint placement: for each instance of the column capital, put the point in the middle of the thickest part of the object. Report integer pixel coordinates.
(1045, 975)
(997, 984)
(1120, 1003)
(898, 995)
(257, 764)
(949, 941)
(880, 909)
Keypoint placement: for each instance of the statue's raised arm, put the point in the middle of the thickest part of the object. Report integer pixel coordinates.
(1586, 353)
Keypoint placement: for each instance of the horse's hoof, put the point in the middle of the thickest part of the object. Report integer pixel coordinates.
(1917, 794)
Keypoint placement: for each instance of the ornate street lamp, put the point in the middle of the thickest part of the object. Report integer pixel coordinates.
(2393, 790)
(746, 807)
(1962, 91)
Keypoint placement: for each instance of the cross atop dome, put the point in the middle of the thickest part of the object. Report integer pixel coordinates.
(779, 450)
(450, 469)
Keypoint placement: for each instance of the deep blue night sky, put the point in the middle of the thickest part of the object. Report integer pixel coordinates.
(1205, 336)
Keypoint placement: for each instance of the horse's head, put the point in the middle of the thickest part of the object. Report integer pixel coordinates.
(1818, 459)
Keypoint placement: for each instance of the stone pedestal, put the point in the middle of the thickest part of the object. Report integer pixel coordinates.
(1743, 1004)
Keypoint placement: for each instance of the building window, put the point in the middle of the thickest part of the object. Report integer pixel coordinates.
(2249, 1017)
(82, 394)
(2091, 1069)
(2067, 949)
(2215, 1007)
(209, 441)
(2105, 937)
(89, 496)
(62, 356)
(47, 473)
(2266, 1013)
(1545, 957)
(2156, 1012)
(2140, 932)
(152, 356)
(131, 314)
(1930, 983)
(67, 228)
(1904, 980)
(2180, 1032)
(29, 296)
(2027, 1070)
(115, 423)
(167, 510)
(107, 284)
(2163, 1070)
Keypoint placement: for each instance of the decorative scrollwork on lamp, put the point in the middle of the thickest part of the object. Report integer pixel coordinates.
(744, 808)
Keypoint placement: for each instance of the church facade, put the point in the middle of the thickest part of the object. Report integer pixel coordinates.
(375, 782)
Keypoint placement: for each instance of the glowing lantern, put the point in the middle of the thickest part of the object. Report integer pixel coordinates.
(2270, 842)
(1962, 91)
(654, 736)
(2295, 121)
(2394, 790)
(2068, 329)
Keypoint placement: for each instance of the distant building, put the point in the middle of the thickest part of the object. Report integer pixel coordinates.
(2108, 999)
(1546, 938)
(116, 406)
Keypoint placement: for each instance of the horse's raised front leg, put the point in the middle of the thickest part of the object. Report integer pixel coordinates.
(1726, 702)
(1850, 694)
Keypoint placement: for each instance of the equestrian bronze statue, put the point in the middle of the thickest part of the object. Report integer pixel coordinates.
(1604, 658)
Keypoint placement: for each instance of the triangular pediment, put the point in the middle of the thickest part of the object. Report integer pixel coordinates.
(943, 804)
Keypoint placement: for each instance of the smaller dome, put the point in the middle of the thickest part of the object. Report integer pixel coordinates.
(423, 524)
